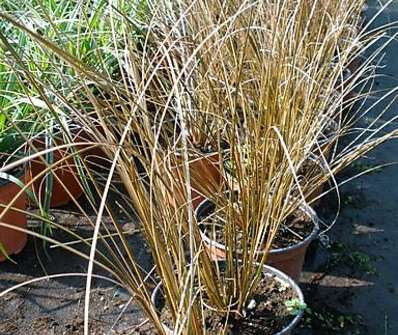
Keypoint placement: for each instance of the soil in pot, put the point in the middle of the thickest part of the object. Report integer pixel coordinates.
(295, 229)
(13, 241)
(268, 313)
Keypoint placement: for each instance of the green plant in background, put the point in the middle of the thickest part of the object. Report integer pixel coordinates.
(21, 121)
(327, 318)
(342, 254)
(17, 119)
(86, 31)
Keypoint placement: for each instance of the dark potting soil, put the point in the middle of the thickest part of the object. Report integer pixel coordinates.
(268, 315)
(295, 229)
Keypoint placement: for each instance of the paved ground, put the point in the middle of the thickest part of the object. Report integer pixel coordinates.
(354, 289)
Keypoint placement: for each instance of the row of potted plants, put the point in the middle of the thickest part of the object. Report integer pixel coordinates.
(30, 185)
(31, 126)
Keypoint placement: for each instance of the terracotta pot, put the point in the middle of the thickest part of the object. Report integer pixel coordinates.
(97, 160)
(12, 240)
(268, 270)
(205, 172)
(66, 171)
(94, 156)
(290, 260)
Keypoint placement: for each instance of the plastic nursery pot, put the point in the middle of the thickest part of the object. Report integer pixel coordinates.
(348, 79)
(12, 241)
(362, 20)
(327, 139)
(319, 161)
(66, 171)
(205, 174)
(354, 65)
(289, 260)
(284, 279)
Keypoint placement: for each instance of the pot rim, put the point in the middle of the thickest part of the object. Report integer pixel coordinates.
(197, 156)
(304, 207)
(329, 138)
(16, 172)
(279, 275)
(75, 130)
(320, 161)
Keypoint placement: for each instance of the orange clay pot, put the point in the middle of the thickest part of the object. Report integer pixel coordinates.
(65, 171)
(205, 173)
(12, 240)
(94, 156)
